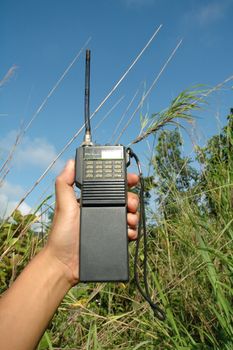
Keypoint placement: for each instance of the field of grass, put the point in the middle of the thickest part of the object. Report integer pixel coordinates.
(190, 269)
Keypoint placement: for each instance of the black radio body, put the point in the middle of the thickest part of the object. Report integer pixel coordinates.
(101, 176)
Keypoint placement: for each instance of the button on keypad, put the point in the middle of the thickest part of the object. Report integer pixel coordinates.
(108, 176)
(117, 167)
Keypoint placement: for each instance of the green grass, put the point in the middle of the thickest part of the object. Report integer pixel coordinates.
(190, 269)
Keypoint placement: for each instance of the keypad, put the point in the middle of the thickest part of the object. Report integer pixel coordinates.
(104, 169)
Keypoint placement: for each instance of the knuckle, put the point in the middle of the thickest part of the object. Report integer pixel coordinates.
(133, 195)
(133, 219)
(133, 198)
(132, 234)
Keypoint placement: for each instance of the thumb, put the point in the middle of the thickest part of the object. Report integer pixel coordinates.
(64, 186)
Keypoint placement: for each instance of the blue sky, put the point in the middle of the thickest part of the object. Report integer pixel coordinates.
(39, 39)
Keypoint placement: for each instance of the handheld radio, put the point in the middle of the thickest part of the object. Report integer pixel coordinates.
(100, 173)
(101, 176)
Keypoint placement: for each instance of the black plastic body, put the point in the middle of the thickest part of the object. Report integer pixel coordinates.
(101, 176)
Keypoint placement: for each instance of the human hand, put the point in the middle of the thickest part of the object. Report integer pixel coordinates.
(63, 242)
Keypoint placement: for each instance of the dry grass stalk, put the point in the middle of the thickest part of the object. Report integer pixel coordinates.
(144, 97)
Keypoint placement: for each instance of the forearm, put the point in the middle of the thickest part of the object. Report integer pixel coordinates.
(28, 306)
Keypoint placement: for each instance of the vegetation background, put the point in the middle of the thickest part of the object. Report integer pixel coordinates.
(190, 230)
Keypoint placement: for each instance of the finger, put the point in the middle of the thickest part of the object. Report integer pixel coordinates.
(64, 185)
(68, 173)
(133, 202)
(132, 234)
(132, 180)
(133, 219)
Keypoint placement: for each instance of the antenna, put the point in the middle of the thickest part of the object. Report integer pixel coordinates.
(87, 136)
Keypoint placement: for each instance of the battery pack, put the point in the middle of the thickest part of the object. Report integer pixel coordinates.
(103, 244)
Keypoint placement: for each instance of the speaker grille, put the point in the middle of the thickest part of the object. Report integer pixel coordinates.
(103, 193)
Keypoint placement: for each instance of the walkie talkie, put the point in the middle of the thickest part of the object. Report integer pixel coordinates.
(101, 176)
(100, 173)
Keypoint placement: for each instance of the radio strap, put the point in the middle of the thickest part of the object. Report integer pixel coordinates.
(158, 312)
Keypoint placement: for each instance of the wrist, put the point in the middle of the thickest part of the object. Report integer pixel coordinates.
(59, 268)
